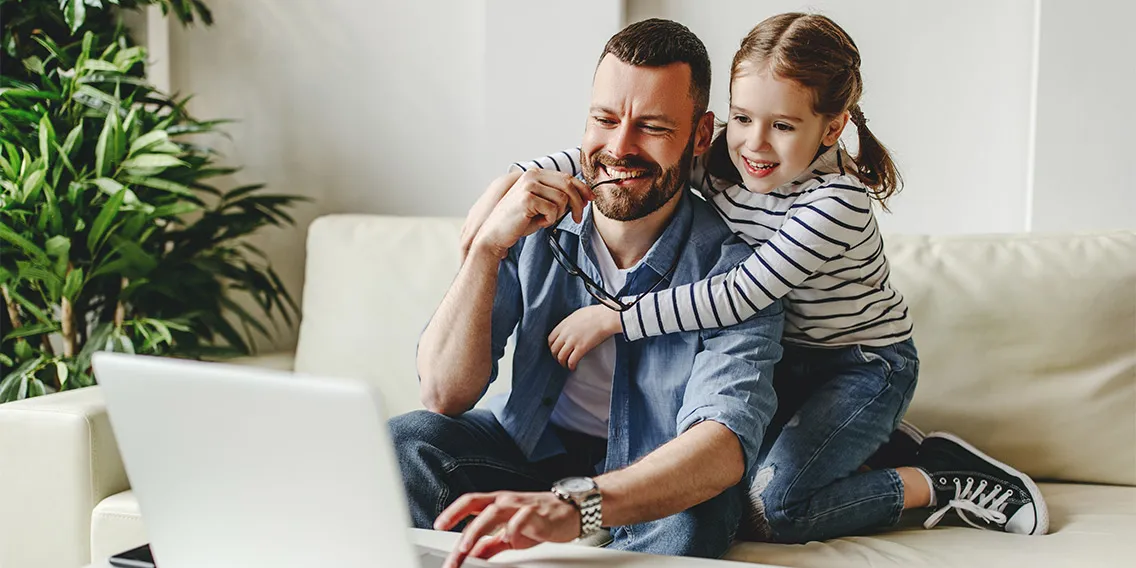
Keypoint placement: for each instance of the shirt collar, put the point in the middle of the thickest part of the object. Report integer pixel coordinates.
(661, 256)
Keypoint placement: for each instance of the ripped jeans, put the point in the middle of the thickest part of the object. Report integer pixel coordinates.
(836, 407)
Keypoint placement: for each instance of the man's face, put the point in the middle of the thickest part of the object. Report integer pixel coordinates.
(641, 130)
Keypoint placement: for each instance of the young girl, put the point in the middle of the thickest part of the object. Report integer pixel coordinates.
(780, 178)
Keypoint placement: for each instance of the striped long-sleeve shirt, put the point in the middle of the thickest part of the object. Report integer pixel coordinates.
(816, 244)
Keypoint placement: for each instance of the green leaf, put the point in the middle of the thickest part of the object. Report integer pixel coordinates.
(108, 186)
(24, 349)
(100, 65)
(75, 13)
(126, 58)
(105, 151)
(146, 162)
(162, 184)
(25, 245)
(72, 138)
(73, 284)
(62, 373)
(32, 330)
(57, 246)
(30, 307)
(112, 188)
(149, 139)
(35, 388)
(33, 183)
(34, 65)
(176, 209)
(102, 222)
(46, 136)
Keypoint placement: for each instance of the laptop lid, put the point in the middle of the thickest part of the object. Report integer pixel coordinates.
(237, 466)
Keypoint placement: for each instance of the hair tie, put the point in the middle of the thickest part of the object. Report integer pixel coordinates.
(857, 116)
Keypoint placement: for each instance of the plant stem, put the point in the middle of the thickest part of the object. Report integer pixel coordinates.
(68, 324)
(119, 307)
(13, 310)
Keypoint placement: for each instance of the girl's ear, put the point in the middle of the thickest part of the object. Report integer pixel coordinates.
(834, 129)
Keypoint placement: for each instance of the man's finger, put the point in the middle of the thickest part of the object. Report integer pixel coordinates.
(492, 517)
(464, 506)
(570, 187)
(490, 546)
(518, 531)
(544, 210)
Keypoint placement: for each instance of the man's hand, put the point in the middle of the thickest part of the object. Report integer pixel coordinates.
(581, 332)
(483, 207)
(535, 201)
(507, 520)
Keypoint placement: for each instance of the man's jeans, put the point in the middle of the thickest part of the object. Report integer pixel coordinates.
(443, 458)
(835, 408)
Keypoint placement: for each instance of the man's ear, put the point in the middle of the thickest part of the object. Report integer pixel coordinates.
(834, 129)
(703, 133)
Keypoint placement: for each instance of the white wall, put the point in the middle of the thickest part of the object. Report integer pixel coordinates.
(1086, 81)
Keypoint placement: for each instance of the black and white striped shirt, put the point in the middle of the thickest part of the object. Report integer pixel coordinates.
(816, 244)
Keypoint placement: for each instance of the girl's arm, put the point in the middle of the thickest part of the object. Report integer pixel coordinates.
(818, 232)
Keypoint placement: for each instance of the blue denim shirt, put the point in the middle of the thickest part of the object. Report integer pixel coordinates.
(662, 385)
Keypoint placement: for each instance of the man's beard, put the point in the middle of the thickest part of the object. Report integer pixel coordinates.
(620, 204)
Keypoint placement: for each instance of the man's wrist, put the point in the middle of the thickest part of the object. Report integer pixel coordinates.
(483, 251)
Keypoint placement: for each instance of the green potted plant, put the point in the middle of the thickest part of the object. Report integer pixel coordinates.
(113, 234)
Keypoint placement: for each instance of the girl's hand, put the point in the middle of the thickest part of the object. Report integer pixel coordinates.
(581, 332)
(483, 207)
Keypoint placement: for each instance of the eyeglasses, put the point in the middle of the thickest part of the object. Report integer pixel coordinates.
(598, 292)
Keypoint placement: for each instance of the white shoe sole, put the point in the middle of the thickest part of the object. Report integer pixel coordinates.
(1042, 510)
(910, 430)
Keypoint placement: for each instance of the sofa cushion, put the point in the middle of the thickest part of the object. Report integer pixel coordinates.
(1028, 347)
(371, 284)
(1090, 525)
(116, 525)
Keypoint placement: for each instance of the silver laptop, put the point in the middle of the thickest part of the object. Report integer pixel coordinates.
(237, 466)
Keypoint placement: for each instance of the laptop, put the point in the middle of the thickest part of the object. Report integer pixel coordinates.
(238, 466)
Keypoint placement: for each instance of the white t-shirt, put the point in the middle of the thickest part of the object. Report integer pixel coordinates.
(585, 402)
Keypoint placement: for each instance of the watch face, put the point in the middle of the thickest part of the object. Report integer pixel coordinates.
(576, 484)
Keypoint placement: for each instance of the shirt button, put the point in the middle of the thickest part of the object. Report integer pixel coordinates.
(547, 401)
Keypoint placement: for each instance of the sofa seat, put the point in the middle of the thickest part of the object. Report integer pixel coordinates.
(1091, 525)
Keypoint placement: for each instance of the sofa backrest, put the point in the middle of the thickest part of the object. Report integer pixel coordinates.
(1027, 342)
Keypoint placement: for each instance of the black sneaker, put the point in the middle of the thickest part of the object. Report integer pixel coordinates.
(900, 450)
(984, 492)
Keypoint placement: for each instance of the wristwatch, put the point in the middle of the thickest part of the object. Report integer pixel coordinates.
(584, 494)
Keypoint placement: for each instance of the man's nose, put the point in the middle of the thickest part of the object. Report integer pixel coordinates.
(623, 141)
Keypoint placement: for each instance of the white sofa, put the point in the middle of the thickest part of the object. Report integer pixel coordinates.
(1028, 346)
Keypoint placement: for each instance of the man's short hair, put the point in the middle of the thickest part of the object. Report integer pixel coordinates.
(657, 43)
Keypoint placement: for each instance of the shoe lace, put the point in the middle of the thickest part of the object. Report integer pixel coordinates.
(973, 500)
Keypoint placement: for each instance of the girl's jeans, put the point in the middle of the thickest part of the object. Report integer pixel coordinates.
(836, 407)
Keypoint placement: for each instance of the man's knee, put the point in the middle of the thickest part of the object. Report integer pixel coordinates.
(418, 426)
(703, 531)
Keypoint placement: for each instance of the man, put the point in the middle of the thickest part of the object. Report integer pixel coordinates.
(671, 424)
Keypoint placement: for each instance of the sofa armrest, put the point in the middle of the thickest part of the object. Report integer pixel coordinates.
(281, 361)
(58, 459)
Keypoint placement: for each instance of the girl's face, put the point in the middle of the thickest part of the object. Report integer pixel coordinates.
(773, 133)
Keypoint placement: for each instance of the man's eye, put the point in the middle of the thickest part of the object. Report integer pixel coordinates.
(741, 119)
(604, 121)
(783, 126)
(654, 129)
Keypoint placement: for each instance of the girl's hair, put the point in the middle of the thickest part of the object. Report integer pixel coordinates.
(814, 52)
